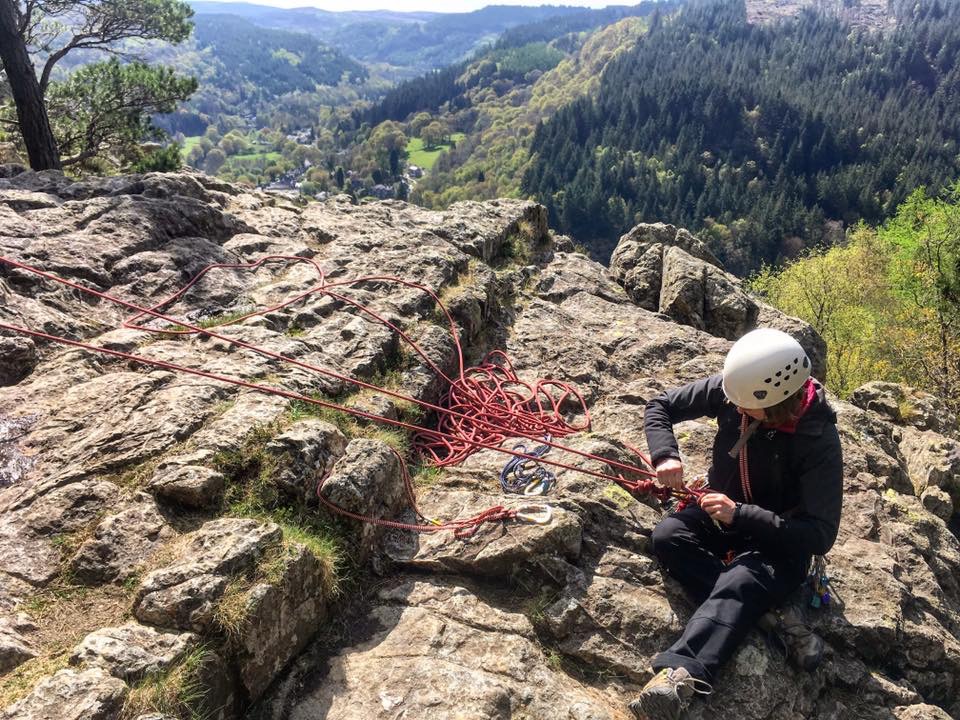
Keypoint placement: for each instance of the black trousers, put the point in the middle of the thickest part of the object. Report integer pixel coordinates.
(731, 598)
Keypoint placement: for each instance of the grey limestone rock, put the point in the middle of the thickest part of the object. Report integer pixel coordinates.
(184, 594)
(306, 451)
(15, 645)
(366, 480)
(121, 543)
(461, 657)
(904, 405)
(282, 618)
(131, 651)
(193, 486)
(18, 357)
(71, 695)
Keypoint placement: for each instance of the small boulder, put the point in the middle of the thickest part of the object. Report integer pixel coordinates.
(937, 502)
(307, 449)
(932, 460)
(71, 695)
(193, 486)
(131, 651)
(121, 544)
(184, 594)
(15, 648)
(281, 618)
(366, 481)
(905, 405)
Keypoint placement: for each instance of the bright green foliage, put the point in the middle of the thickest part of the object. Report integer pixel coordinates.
(887, 302)
(519, 61)
(925, 234)
(104, 109)
(386, 148)
(845, 295)
(420, 156)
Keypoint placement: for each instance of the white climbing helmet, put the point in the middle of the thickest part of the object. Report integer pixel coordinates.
(763, 368)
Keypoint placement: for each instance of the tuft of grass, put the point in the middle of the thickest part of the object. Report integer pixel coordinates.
(535, 608)
(907, 410)
(425, 475)
(554, 659)
(178, 692)
(252, 493)
(295, 331)
(232, 610)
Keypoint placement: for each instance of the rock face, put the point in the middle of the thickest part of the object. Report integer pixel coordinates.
(670, 271)
(193, 499)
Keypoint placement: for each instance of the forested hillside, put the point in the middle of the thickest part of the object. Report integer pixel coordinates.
(491, 159)
(765, 137)
(494, 101)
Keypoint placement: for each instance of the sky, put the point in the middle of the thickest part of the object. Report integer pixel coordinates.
(449, 6)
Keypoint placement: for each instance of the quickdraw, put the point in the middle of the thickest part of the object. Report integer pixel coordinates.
(819, 583)
(526, 476)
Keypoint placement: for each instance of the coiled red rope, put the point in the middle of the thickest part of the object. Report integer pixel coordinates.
(482, 406)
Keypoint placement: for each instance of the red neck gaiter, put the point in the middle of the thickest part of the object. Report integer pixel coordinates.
(809, 393)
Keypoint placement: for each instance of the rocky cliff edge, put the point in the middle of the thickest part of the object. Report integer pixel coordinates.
(162, 554)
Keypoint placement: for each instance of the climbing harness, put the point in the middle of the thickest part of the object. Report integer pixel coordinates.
(483, 405)
(527, 477)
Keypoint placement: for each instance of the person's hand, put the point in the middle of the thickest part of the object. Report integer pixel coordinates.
(719, 507)
(670, 473)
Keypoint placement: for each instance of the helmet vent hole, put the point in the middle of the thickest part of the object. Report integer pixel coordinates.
(768, 380)
(806, 362)
(779, 373)
(786, 392)
(777, 384)
(796, 360)
(796, 371)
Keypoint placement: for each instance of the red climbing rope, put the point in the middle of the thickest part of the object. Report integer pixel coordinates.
(482, 406)
(475, 417)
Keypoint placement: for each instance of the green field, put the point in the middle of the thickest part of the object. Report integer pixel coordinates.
(426, 158)
(189, 143)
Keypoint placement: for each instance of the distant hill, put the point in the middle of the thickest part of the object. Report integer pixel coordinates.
(412, 40)
(274, 61)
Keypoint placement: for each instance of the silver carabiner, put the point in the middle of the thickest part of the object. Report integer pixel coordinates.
(535, 514)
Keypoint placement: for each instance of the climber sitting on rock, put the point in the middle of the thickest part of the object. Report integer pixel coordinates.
(773, 501)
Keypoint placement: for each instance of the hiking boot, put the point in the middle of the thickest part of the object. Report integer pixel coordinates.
(667, 693)
(786, 629)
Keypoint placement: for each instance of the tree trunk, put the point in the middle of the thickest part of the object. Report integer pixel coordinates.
(31, 110)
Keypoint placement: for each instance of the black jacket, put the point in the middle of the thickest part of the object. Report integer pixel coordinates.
(796, 479)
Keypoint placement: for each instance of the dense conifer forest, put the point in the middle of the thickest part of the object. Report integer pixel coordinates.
(766, 138)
